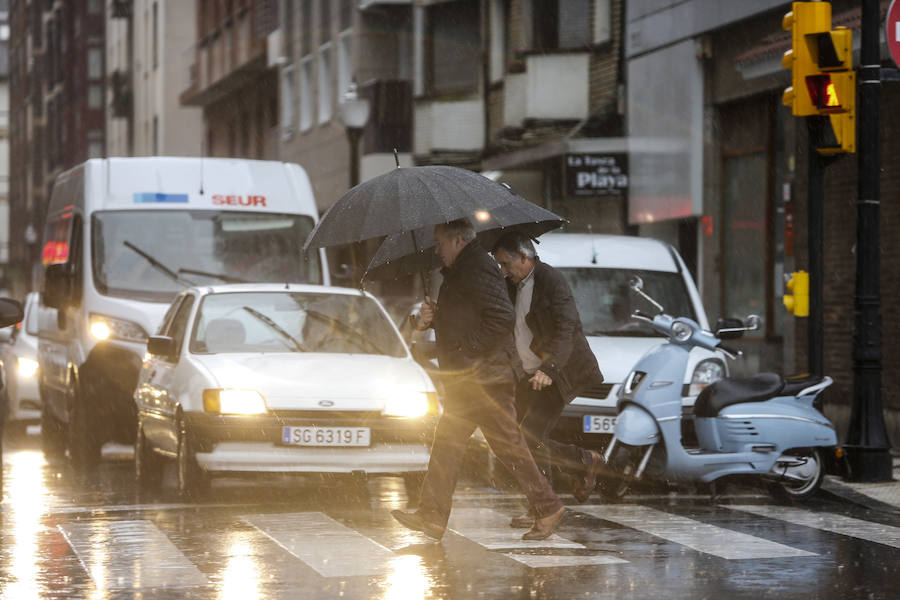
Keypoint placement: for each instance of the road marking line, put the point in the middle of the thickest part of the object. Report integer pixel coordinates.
(831, 522)
(700, 536)
(329, 547)
(130, 554)
(543, 561)
(491, 530)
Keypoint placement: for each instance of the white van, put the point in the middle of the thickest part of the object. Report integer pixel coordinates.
(598, 268)
(123, 236)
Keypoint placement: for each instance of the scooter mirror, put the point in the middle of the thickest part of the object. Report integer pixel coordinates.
(636, 283)
(752, 322)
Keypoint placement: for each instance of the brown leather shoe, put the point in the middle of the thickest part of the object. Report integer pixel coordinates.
(584, 487)
(544, 526)
(413, 521)
(523, 520)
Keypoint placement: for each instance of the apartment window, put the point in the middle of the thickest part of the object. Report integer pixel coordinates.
(288, 31)
(95, 143)
(498, 39)
(561, 24)
(306, 43)
(155, 35)
(155, 135)
(95, 96)
(453, 59)
(95, 63)
(306, 93)
(324, 84)
(94, 7)
(345, 61)
(287, 101)
(346, 16)
(324, 21)
(602, 22)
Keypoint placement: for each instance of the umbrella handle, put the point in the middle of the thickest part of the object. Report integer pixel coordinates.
(421, 270)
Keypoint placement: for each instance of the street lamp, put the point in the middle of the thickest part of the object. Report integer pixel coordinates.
(354, 113)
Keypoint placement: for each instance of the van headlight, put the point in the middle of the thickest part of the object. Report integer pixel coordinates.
(103, 327)
(234, 402)
(706, 372)
(27, 367)
(410, 404)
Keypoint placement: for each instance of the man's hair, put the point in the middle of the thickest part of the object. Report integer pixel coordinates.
(460, 227)
(515, 242)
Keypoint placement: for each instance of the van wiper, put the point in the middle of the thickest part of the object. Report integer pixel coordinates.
(158, 265)
(223, 277)
(276, 328)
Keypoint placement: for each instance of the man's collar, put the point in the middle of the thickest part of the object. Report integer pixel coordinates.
(527, 278)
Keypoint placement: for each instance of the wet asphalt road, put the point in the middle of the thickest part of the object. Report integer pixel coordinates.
(64, 537)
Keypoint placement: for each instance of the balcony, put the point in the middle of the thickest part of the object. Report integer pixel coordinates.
(231, 56)
(535, 93)
(448, 126)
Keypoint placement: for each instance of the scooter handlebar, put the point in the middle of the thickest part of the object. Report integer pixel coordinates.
(642, 316)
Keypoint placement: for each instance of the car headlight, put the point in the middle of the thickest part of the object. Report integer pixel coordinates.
(410, 404)
(706, 372)
(104, 327)
(27, 367)
(234, 402)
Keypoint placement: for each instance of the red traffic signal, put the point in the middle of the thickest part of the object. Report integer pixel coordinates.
(823, 93)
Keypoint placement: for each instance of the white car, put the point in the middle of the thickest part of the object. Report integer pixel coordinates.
(277, 378)
(18, 354)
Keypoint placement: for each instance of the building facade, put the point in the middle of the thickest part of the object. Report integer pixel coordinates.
(4, 146)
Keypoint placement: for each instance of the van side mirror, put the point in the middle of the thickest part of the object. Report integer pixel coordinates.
(161, 345)
(10, 312)
(56, 286)
(729, 329)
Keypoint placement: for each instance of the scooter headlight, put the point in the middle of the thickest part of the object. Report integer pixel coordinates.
(681, 331)
(706, 372)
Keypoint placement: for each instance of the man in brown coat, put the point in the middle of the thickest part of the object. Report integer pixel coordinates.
(473, 324)
(557, 362)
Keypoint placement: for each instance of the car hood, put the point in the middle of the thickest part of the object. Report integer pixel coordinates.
(617, 355)
(292, 381)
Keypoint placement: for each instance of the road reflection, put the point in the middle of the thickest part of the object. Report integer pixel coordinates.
(240, 581)
(408, 579)
(27, 502)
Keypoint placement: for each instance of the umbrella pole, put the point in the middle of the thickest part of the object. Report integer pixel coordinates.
(421, 270)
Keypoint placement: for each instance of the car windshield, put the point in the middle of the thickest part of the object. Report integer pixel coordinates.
(605, 302)
(241, 322)
(152, 255)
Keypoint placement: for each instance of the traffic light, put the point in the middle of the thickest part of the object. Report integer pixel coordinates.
(797, 299)
(823, 83)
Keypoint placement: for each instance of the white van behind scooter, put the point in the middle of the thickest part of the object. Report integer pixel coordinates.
(123, 236)
(598, 269)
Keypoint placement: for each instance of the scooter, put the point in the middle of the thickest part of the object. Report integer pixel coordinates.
(765, 425)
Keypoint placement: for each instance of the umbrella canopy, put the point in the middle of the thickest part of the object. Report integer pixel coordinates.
(403, 254)
(407, 199)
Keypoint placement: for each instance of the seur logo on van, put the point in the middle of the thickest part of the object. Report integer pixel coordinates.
(250, 200)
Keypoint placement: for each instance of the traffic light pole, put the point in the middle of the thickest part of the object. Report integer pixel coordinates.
(815, 224)
(868, 446)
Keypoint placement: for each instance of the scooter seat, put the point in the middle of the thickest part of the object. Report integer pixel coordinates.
(794, 384)
(726, 392)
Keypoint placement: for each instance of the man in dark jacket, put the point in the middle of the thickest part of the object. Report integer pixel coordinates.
(557, 362)
(473, 324)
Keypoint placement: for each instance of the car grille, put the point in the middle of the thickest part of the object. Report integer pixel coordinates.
(329, 415)
(598, 391)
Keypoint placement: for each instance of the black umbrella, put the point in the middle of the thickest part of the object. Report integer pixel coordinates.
(403, 254)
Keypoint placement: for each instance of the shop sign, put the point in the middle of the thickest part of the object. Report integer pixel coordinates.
(597, 174)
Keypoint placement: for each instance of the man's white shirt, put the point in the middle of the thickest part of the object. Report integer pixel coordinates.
(530, 361)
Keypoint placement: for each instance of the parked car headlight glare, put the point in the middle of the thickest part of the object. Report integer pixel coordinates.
(27, 367)
(706, 372)
(234, 402)
(409, 404)
(104, 327)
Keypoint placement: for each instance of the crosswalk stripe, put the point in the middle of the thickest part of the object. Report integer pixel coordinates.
(700, 536)
(330, 548)
(491, 530)
(834, 523)
(130, 554)
(543, 561)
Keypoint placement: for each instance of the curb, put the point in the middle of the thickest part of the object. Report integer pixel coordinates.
(835, 488)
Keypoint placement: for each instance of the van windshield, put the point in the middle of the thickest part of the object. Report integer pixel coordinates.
(605, 302)
(154, 254)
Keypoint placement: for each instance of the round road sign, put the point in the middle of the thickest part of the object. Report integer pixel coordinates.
(892, 30)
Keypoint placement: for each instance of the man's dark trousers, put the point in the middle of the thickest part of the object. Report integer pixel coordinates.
(490, 407)
(539, 412)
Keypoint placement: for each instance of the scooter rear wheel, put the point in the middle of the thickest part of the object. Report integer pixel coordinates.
(810, 476)
(619, 474)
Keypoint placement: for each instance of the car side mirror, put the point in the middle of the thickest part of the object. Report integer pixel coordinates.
(729, 328)
(161, 345)
(10, 312)
(56, 286)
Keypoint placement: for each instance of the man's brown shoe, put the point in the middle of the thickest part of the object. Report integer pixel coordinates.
(584, 487)
(413, 521)
(523, 520)
(544, 526)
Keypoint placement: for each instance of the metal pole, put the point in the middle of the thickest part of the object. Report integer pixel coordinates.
(868, 447)
(815, 224)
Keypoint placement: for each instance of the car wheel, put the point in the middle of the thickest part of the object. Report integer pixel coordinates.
(192, 480)
(83, 439)
(413, 481)
(618, 476)
(807, 477)
(53, 435)
(147, 464)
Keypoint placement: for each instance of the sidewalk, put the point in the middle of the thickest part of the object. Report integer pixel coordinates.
(877, 496)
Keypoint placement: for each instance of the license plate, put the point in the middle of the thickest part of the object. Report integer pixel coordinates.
(326, 436)
(598, 424)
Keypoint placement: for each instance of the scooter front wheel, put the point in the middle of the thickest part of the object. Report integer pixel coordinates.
(800, 481)
(620, 472)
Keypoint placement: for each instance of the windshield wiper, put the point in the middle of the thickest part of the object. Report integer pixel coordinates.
(360, 340)
(158, 265)
(223, 277)
(276, 328)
